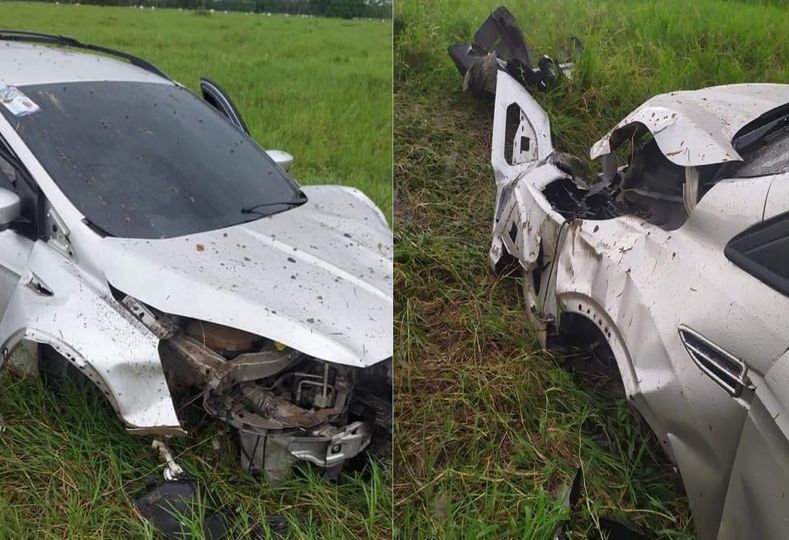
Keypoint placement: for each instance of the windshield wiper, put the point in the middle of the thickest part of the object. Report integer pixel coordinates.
(254, 208)
(758, 134)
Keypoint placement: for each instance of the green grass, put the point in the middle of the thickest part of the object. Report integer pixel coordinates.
(68, 469)
(318, 88)
(490, 428)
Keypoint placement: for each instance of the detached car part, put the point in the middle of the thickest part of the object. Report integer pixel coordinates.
(499, 44)
(676, 261)
(148, 244)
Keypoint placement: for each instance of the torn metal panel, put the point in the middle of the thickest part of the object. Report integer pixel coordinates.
(499, 44)
(696, 127)
(531, 139)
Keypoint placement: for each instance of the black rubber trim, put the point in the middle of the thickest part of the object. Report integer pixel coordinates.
(763, 251)
(65, 41)
(216, 96)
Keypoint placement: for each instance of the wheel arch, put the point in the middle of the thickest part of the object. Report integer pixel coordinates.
(578, 310)
(56, 304)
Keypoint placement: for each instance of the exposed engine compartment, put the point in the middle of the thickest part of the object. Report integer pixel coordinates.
(286, 405)
(649, 186)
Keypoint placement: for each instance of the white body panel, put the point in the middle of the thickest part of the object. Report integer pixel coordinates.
(317, 278)
(26, 64)
(696, 127)
(638, 283)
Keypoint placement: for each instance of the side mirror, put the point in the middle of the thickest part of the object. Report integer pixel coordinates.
(10, 208)
(283, 159)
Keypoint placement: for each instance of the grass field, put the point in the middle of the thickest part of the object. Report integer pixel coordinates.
(318, 88)
(489, 428)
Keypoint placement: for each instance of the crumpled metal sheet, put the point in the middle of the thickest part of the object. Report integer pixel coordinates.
(499, 44)
(696, 127)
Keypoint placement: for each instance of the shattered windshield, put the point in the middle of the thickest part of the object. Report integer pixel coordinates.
(148, 160)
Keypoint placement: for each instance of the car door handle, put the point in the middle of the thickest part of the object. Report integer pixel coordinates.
(721, 366)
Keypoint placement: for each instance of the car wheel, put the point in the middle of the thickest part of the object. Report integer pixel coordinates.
(56, 371)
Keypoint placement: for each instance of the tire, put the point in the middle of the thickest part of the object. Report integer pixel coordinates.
(57, 372)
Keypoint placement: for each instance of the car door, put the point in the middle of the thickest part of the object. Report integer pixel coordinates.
(756, 503)
(215, 96)
(521, 130)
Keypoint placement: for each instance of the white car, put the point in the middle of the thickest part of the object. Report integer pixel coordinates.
(149, 244)
(678, 263)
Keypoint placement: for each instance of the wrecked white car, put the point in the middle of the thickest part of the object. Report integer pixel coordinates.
(150, 245)
(677, 263)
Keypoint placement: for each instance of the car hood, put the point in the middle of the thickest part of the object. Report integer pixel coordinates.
(696, 127)
(317, 278)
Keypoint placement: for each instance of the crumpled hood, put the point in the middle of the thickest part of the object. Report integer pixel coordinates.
(317, 278)
(696, 127)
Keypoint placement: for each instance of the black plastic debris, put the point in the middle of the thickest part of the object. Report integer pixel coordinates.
(570, 496)
(614, 530)
(609, 529)
(174, 507)
(499, 44)
(175, 504)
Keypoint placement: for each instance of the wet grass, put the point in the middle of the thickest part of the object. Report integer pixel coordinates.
(318, 88)
(489, 427)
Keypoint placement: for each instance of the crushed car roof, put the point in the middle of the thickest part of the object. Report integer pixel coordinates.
(696, 127)
(27, 64)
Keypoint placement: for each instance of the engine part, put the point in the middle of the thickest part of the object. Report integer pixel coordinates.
(287, 406)
(172, 471)
(222, 339)
(329, 447)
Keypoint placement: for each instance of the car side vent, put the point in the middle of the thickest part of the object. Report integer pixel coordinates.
(722, 367)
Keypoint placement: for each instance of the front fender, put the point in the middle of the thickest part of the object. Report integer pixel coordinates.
(607, 272)
(54, 303)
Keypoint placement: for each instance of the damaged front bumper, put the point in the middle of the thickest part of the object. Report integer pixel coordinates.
(287, 406)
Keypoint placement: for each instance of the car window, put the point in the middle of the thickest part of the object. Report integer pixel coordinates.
(149, 160)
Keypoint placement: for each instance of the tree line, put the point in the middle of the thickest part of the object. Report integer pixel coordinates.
(347, 9)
